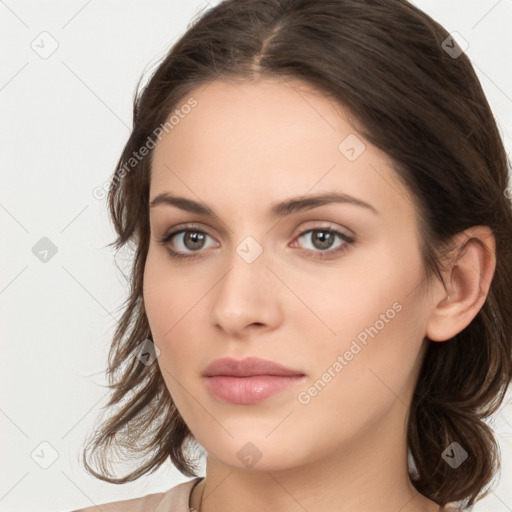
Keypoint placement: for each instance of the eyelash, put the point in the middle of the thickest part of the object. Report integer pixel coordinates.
(316, 254)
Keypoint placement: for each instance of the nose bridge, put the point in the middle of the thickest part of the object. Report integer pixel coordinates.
(246, 279)
(246, 294)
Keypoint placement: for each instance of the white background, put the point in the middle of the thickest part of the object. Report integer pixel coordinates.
(65, 119)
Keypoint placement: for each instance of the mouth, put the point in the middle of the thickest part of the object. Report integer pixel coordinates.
(250, 380)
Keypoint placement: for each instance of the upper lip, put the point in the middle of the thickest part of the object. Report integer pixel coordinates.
(247, 367)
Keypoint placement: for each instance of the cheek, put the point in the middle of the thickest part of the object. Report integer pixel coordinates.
(176, 316)
(355, 383)
(165, 301)
(373, 318)
(168, 294)
(364, 290)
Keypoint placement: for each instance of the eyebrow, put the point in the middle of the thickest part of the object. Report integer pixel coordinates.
(280, 209)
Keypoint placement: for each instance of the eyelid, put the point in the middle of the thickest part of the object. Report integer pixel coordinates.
(323, 224)
(185, 227)
(299, 231)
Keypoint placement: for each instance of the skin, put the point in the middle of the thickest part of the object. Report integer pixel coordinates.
(242, 148)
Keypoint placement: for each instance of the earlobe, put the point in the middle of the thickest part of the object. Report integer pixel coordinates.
(468, 279)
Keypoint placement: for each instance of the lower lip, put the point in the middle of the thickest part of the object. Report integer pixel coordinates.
(249, 390)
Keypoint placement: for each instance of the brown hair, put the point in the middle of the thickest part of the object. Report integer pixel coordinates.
(386, 62)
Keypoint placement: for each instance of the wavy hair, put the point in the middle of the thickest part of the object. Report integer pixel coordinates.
(390, 65)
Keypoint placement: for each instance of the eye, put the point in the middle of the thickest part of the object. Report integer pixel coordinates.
(322, 241)
(190, 239)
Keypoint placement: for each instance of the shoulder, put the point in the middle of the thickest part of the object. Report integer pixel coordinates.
(177, 497)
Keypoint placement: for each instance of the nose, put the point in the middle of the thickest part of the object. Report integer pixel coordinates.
(247, 298)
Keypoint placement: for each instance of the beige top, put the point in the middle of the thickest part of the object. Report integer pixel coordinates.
(175, 499)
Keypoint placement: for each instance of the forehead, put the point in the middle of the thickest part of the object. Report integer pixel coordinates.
(244, 114)
(268, 140)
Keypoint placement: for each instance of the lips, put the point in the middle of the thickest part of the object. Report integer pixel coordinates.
(248, 367)
(249, 381)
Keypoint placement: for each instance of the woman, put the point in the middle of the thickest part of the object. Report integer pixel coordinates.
(321, 293)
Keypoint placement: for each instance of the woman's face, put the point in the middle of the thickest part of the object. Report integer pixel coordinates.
(276, 283)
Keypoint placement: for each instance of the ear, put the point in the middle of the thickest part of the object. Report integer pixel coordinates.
(468, 279)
